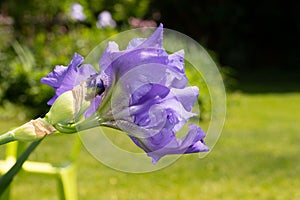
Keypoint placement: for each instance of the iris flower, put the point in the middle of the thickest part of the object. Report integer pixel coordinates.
(141, 90)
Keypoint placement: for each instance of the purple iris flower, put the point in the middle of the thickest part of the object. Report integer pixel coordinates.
(152, 101)
(159, 103)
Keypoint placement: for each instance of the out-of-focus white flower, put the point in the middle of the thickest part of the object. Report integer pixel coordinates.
(105, 20)
(140, 23)
(77, 12)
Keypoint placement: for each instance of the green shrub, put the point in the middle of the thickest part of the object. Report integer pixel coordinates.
(21, 73)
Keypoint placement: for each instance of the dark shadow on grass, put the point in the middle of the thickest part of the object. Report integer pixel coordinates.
(268, 81)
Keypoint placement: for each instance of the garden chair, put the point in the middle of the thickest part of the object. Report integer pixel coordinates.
(65, 174)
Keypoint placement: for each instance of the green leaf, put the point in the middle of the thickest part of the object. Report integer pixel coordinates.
(7, 178)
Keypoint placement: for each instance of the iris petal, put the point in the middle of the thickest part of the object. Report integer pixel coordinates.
(63, 79)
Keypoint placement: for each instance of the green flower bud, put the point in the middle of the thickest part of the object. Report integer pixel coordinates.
(68, 109)
(62, 110)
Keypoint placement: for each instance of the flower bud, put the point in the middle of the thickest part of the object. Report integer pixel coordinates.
(68, 109)
(62, 109)
(33, 130)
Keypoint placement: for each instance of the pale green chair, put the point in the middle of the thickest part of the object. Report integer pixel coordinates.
(65, 174)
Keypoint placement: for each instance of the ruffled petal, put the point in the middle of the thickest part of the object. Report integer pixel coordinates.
(178, 112)
(53, 78)
(176, 60)
(186, 96)
(191, 143)
(135, 43)
(155, 40)
(109, 55)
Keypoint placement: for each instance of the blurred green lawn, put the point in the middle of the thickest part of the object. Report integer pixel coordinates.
(256, 157)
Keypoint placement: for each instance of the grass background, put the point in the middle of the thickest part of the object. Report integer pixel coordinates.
(256, 156)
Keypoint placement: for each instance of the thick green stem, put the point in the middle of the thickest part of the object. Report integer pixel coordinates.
(7, 137)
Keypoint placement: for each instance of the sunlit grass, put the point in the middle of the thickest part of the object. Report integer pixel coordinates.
(256, 157)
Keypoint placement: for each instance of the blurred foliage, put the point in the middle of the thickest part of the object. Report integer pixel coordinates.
(37, 35)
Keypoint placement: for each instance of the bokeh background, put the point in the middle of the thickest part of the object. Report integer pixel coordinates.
(256, 47)
(243, 37)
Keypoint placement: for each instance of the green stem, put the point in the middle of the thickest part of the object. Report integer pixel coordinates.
(6, 137)
(91, 122)
(7, 178)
